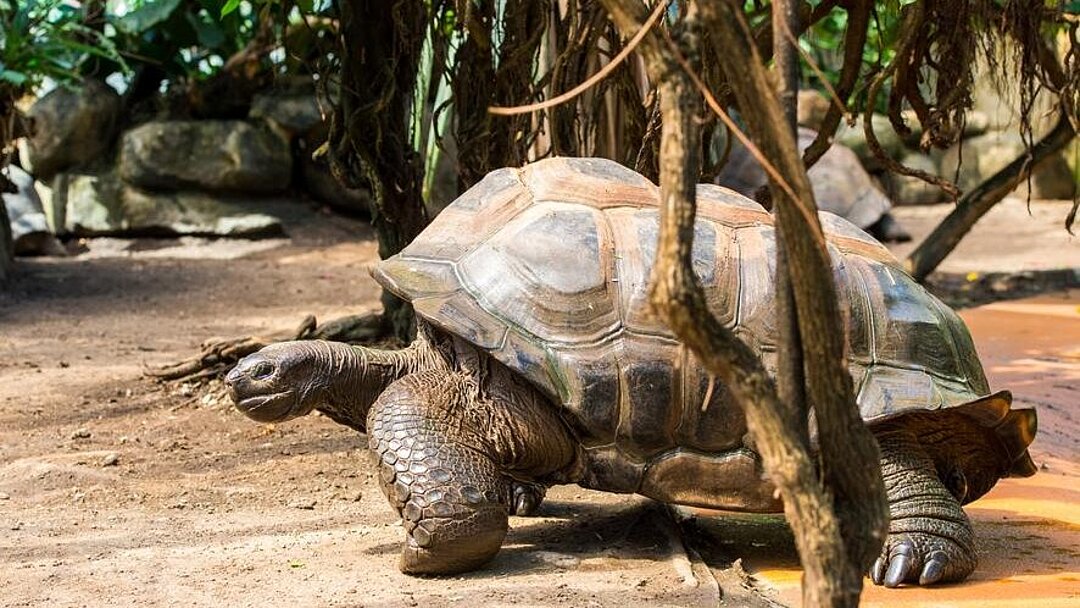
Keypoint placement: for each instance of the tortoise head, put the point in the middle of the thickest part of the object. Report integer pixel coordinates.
(280, 382)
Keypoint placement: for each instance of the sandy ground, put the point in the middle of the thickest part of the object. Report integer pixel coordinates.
(117, 491)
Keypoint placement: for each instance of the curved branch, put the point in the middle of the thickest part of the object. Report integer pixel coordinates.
(978, 201)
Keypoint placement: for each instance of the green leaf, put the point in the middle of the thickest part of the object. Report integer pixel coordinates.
(229, 7)
(147, 16)
(306, 6)
(16, 78)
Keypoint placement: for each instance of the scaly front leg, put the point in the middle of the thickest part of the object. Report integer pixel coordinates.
(451, 495)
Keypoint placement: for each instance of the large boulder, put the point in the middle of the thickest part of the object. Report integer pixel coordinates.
(72, 127)
(30, 233)
(213, 155)
(321, 185)
(840, 183)
(983, 156)
(295, 112)
(103, 205)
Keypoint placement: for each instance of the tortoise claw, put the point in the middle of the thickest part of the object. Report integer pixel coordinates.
(901, 564)
(877, 572)
(934, 568)
(526, 499)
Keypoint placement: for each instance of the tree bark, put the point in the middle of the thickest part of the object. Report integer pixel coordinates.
(790, 381)
(973, 205)
(857, 492)
(839, 524)
(369, 139)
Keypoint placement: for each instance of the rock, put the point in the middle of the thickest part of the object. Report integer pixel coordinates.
(840, 183)
(306, 504)
(7, 245)
(29, 228)
(72, 127)
(981, 157)
(907, 190)
(80, 433)
(214, 155)
(295, 112)
(321, 185)
(854, 137)
(111, 460)
(97, 205)
(812, 107)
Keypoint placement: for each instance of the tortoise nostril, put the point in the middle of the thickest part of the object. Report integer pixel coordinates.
(262, 370)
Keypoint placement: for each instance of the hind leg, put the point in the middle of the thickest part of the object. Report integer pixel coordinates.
(930, 538)
(452, 497)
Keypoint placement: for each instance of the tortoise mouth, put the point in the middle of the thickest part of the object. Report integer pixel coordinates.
(275, 407)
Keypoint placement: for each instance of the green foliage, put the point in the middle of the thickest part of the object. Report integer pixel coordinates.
(46, 39)
(185, 39)
(824, 44)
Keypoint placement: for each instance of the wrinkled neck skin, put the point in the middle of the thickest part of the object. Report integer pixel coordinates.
(355, 376)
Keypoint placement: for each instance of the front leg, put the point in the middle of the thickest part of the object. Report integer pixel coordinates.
(930, 537)
(452, 497)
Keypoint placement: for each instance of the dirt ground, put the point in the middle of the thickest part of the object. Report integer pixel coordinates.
(116, 490)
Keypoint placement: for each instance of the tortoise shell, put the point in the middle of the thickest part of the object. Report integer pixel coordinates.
(546, 268)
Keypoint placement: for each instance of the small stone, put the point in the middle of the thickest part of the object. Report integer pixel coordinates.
(110, 460)
(306, 504)
(80, 434)
(358, 496)
(17, 525)
(6, 496)
(559, 560)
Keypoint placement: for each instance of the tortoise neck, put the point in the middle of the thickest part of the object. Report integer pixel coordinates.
(357, 375)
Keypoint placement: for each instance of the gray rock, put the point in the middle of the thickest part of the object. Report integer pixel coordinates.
(812, 107)
(29, 229)
(854, 137)
(295, 112)
(71, 128)
(97, 205)
(213, 155)
(981, 157)
(907, 190)
(840, 183)
(321, 185)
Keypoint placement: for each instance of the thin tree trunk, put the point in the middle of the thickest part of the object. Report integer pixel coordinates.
(790, 382)
(973, 205)
(839, 524)
(833, 565)
(369, 138)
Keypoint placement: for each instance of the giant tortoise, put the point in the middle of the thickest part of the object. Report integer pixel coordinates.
(537, 362)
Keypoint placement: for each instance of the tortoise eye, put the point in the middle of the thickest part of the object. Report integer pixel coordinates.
(262, 370)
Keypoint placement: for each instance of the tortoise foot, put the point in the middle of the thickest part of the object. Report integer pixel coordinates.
(452, 498)
(923, 559)
(526, 498)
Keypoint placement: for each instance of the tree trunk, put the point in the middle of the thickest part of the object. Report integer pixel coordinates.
(369, 140)
(973, 205)
(839, 521)
(858, 495)
(790, 382)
